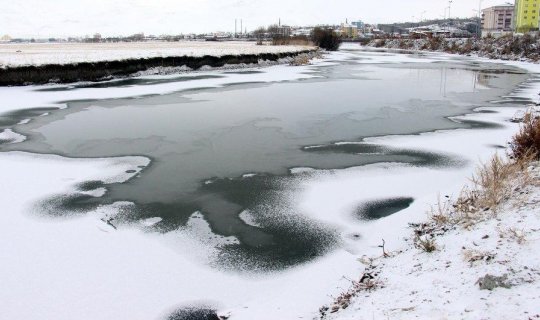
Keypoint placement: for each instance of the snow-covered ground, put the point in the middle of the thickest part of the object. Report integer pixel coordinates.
(445, 284)
(82, 268)
(14, 55)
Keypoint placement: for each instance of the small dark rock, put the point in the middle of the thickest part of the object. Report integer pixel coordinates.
(489, 282)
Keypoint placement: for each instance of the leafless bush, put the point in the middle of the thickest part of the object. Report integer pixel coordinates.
(425, 243)
(380, 43)
(526, 143)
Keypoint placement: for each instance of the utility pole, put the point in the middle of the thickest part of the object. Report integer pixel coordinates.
(449, 19)
(479, 19)
(235, 26)
(241, 25)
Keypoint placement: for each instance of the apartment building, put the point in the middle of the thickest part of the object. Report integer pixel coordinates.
(497, 20)
(526, 15)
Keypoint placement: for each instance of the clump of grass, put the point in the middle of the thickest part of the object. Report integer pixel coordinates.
(493, 184)
(493, 181)
(519, 236)
(300, 60)
(475, 256)
(442, 213)
(526, 144)
(425, 243)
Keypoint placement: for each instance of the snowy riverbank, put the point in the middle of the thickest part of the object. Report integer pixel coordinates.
(487, 269)
(23, 64)
(29, 54)
(513, 48)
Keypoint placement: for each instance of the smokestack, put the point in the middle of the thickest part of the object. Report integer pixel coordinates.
(241, 26)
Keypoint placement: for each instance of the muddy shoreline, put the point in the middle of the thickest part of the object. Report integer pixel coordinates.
(105, 70)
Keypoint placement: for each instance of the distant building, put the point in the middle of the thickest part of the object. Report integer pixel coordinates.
(284, 31)
(526, 15)
(497, 20)
(306, 31)
(5, 38)
(359, 25)
(349, 31)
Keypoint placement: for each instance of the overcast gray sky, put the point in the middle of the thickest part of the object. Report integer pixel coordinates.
(47, 18)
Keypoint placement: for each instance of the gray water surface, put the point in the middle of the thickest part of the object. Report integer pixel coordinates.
(201, 143)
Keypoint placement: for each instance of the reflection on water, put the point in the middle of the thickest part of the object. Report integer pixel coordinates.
(202, 142)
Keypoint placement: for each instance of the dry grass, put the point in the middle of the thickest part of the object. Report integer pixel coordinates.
(301, 60)
(292, 41)
(526, 143)
(493, 184)
(442, 213)
(519, 236)
(475, 256)
(425, 243)
(494, 180)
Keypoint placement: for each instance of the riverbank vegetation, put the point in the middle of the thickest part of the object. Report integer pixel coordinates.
(508, 47)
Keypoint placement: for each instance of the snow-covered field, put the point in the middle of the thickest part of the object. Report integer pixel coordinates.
(15, 55)
(81, 268)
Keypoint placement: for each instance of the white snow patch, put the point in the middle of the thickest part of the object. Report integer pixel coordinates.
(151, 221)
(99, 192)
(25, 121)
(301, 170)
(247, 217)
(10, 136)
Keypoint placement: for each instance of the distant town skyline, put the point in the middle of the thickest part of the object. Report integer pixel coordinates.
(63, 18)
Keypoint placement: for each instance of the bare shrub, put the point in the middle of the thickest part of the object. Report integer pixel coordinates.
(326, 39)
(380, 43)
(467, 47)
(435, 43)
(527, 142)
(425, 243)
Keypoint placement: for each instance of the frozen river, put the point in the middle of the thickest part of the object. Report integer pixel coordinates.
(236, 152)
